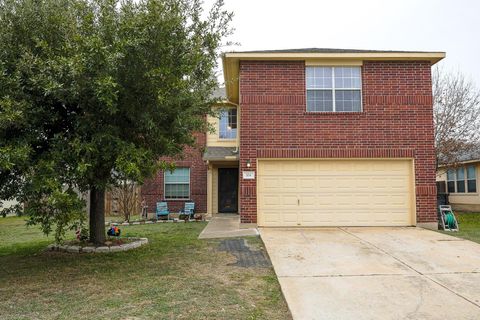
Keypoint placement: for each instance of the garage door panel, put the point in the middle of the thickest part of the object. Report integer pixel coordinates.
(307, 184)
(306, 168)
(270, 182)
(335, 192)
(398, 200)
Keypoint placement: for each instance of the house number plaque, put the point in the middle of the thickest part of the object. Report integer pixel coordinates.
(248, 175)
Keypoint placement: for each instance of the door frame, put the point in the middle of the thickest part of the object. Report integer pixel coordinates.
(237, 190)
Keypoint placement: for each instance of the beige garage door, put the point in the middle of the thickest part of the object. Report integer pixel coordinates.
(335, 193)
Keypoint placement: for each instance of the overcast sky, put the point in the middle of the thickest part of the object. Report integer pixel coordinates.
(424, 25)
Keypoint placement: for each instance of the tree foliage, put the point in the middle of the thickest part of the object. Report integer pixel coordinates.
(94, 90)
(456, 105)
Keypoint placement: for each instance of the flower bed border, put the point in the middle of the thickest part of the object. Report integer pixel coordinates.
(140, 222)
(136, 243)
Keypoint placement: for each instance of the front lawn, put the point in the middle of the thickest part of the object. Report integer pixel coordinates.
(176, 276)
(469, 225)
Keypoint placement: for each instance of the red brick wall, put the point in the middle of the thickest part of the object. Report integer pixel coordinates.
(152, 189)
(396, 121)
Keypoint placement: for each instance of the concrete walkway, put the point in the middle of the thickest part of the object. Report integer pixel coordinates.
(375, 273)
(226, 226)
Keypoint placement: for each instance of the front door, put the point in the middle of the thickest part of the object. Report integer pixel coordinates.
(228, 190)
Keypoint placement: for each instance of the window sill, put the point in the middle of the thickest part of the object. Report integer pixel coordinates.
(464, 194)
(315, 113)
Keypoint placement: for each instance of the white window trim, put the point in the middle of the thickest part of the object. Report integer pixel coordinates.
(189, 186)
(465, 180)
(236, 134)
(333, 89)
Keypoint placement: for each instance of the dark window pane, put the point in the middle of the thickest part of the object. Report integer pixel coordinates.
(451, 186)
(472, 185)
(177, 191)
(347, 100)
(319, 100)
(232, 118)
(461, 186)
(441, 187)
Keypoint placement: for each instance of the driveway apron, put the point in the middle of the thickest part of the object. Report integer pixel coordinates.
(375, 273)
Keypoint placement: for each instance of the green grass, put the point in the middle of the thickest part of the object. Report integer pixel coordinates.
(176, 276)
(133, 217)
(469, 225)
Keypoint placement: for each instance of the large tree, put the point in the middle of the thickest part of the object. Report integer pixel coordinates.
(456, 106)
(96, 90)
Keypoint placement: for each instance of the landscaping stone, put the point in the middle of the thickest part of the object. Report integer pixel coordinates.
(127, 246)
(135, 243)
(116, 249)
(73, 249)
(102, 249)
(88, 249)
(125, 224)
(147, 222)
(136, 223)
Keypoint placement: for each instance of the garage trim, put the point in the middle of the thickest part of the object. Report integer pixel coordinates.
(411, 186)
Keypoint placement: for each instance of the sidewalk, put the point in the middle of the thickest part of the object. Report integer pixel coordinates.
(226, 226)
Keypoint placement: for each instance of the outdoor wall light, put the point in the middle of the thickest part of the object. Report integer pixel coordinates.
(249, 164)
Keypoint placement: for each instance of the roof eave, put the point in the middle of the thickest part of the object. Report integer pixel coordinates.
(231, 62)
(445, 165)
(227, 158)
(433, 57)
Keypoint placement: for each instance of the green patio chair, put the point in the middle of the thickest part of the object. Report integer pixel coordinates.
(162, 210)
(188, 210)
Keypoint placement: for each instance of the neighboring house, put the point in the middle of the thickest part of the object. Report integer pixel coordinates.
(5, 204)
(460, 181)
(316, 137)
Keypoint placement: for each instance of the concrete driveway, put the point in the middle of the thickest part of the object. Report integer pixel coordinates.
(375, 273)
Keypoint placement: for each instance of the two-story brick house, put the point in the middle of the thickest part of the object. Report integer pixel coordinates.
(316, 137)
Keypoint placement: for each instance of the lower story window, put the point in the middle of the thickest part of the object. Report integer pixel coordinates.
(451, 181)
(177, 184)
(462, 180)
(471, 179)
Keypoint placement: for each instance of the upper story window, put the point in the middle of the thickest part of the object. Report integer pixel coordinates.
(228, 124)
(461, 180)
(334, 89)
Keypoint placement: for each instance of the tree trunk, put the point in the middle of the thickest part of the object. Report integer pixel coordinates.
(97, 216)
